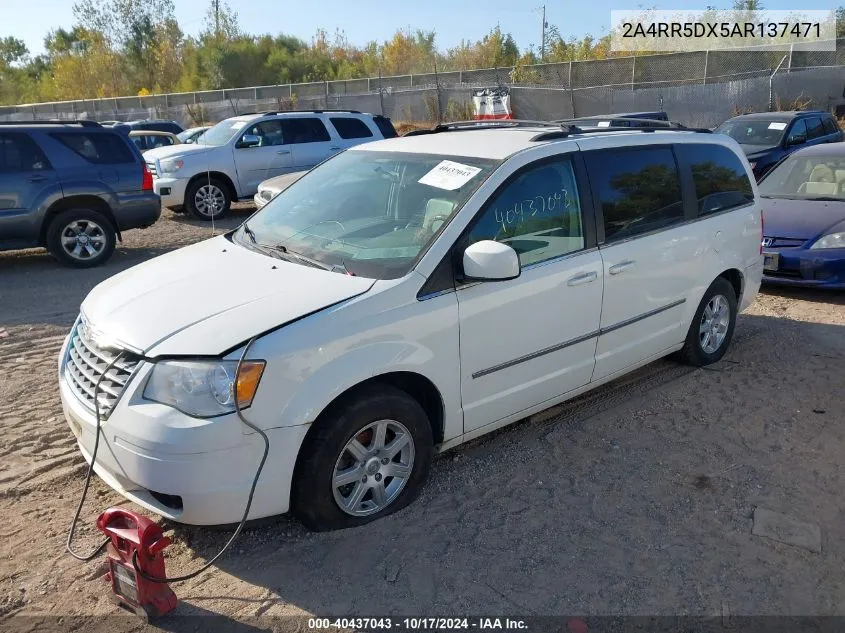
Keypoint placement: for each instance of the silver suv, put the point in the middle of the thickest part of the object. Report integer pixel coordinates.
(231, 159)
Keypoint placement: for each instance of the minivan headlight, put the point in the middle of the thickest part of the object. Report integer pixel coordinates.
(833, 240)
(171, 165)
(203, 388)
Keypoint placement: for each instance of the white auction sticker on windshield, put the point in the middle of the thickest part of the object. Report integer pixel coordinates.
(777, 125)
(603, 124)
(449, 175)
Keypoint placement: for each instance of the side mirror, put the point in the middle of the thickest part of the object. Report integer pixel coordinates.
(490, 261)
(249, 140)
(796, 140)
(189, 141)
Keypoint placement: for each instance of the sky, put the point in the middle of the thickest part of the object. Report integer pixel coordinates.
(367, 20)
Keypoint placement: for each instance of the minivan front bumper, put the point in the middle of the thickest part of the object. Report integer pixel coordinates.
(188, 470)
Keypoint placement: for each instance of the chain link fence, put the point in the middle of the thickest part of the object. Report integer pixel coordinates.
(697, 88)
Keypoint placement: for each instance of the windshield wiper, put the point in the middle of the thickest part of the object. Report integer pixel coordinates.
(825, 199)
(250, 233)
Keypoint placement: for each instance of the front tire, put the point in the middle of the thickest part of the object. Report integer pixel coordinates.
(368, 456)
(712, 327)
(81, 238)
(208, 199)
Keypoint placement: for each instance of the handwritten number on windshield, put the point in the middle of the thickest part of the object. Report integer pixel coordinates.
(538, 205)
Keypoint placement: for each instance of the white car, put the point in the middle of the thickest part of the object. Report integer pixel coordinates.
(402, 298)
(229, 160)
(269, 189)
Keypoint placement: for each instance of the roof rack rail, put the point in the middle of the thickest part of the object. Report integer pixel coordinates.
(567, 130)
(344, 110)
(80, 122)
(475, 124)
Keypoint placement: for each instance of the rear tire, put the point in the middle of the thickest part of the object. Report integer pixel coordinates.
(81, 238)
(385, 470)
(712, 327)
(208, 199)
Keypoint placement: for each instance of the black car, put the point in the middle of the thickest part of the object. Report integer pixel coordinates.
(71, 187)
(160, 125)
(766, 137)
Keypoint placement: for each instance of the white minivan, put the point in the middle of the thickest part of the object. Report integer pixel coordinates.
(401, 298)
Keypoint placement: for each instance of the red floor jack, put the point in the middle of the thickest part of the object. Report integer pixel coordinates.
(131, 534)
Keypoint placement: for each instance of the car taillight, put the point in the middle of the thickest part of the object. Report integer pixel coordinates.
(146, 179)
(762, 229)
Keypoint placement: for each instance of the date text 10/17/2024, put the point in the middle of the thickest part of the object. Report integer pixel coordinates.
(418, 624)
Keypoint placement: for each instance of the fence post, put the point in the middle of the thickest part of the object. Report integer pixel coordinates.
(633, 71)
(789, 63)
(327, 94)
(571, 91)
(706, 62)
(460, 77)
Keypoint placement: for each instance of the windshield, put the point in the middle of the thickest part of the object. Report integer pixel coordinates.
(221, 133)
(806, 177)
(193, 133)
(367, 213)
(754, 132)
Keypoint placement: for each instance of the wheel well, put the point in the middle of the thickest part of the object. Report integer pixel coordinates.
(233, 193)
(76, 202)
(417, 386)
(735, 279)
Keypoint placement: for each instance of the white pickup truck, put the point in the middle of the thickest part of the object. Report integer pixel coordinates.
(230, 160)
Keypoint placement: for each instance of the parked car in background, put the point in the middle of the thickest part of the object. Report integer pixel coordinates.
(230, 160)
(804, 207)
(404, 297)
(71, 187)
(269, 189)
(766, 137)
(192, 134)
(160, 125)
(151, 139)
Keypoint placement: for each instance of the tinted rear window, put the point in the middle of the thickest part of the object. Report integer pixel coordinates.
(18, 152)
(830, 126)
(814, 127)
(385, 126)
(304, 131)
(350, 128)
(721, 182)
(639, 190)
(100, 149)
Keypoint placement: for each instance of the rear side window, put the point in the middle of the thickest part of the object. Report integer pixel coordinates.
(350, 128)
(721, 182)
(100, 149)
(814, 127)
(639, 190)
(304, 131)
(830, 126)
(385, 126)
(18, 152)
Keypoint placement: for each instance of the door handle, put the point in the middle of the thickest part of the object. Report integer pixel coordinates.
(583, 278)
(36, 178)
(283, 151)
(621, 266)
(335, 149)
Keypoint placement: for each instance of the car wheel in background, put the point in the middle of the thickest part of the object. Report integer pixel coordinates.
(81, 237)
(208, 199)
(712, 326)
(368, 456)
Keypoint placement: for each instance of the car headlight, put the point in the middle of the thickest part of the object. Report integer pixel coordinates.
(202, 388)
(833, 240)
(172, 165)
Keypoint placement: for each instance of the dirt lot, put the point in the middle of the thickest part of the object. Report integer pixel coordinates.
(637, 499)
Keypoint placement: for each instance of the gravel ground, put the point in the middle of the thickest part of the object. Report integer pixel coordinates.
(634, 500)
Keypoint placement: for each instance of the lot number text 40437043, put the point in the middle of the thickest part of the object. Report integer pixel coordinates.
(419, 624)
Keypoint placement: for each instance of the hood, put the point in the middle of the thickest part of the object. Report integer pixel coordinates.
(280, 183)
(209, 297)
(754, 151)
(183, 149)
(800, 219)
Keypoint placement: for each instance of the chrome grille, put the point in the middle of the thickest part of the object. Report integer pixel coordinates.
(152, 167)
(785, 242)
(86, 362)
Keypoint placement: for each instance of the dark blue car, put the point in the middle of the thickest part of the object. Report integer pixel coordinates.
(804, 219)
(766, 137)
